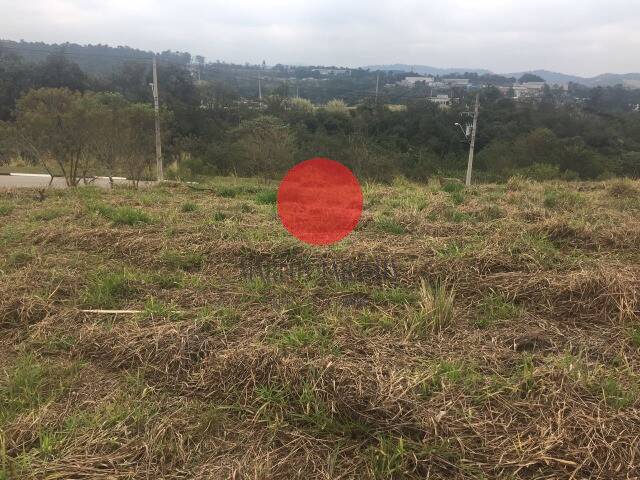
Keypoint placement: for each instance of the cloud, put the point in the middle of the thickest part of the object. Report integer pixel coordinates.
(585, 37)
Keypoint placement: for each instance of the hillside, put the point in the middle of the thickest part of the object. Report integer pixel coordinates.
(490, 332)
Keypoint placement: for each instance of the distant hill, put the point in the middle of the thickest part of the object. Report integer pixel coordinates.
(631, 80)
(93, 59)
(425, 69)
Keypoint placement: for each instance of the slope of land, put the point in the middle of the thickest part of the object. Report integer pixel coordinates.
(483, 333)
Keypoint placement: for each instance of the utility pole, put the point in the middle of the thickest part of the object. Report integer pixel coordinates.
(377, 85)
(472, 145)
(156, 107)
(260, 89)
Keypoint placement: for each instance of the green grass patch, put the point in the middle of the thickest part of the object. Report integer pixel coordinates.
(561, 199)
(267, 197)
(109, 289)
(494, 308)
(453, 187)
(188, 207)
(155, 309)
(124, 215)
(187, 261)
(389, 225)
(5, 209)
(49, 214)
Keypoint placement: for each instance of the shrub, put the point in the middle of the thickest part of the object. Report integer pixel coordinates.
(540, 172)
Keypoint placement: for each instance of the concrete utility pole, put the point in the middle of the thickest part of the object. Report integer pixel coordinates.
(377, 85)
(260, 89)
(156, 107)
(472, 144)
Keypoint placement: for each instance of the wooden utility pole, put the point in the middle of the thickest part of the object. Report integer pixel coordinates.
(156, 107)
(472, 144)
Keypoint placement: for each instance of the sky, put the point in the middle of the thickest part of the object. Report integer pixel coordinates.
(579, 37)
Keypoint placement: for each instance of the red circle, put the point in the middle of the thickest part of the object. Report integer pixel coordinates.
(319, 201)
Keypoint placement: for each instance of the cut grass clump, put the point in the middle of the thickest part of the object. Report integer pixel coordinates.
(188, 207)
(267, 197)
(436, 309)
(5, 209)
(122, 215)
(634, 336)
(187, 261)
(389, 225)
(517, 183)
(109, 289)
(623, 188)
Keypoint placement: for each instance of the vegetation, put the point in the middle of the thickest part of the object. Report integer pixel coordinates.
(218, 125)
(428, 350)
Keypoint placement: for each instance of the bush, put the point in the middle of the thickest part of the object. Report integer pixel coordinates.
(540, 172)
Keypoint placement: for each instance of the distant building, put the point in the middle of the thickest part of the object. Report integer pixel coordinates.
(411, 81)
(333, 71)
(456, 82)
(524, 90)
(528, 89)
(443, 101)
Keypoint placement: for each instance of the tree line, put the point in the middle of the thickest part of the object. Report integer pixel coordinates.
(84, 123)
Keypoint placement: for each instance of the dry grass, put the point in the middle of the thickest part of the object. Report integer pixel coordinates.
(493, 334)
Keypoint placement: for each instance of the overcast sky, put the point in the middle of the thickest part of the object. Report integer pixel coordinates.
(583, 37)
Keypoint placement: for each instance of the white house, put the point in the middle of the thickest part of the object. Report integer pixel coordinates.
(411, 81)
(443, 101)
(456, 82)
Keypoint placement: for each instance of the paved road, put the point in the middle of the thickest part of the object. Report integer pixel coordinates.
(35, 181)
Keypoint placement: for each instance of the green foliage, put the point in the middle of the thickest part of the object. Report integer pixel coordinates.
(267, 197)
(188, 207)
(493, 308)
(436, 309)
(187, 261)
(155, 309)
(5, 209)
(453, 187)
(124, 215)
(109, 289)
(562, 199)
(389, 225)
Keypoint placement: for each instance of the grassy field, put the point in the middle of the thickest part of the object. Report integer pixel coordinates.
(490, 332)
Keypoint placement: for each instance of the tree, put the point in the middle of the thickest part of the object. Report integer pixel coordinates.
(266, 145)
(110, 131)
(530, 77)
(138, 141)
(55, 124)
